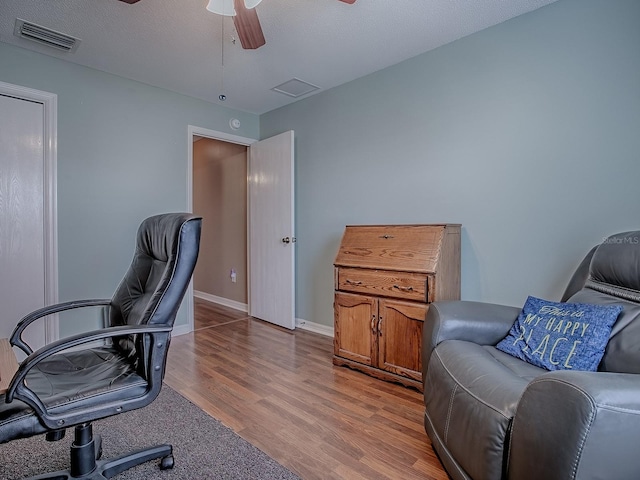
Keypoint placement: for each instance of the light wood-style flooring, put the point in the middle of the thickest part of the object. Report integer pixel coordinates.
(280, 391)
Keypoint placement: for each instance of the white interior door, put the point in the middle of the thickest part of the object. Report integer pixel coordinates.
(271, 230)
(22, 217)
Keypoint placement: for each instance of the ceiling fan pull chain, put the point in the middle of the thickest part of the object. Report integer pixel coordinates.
(222, 97)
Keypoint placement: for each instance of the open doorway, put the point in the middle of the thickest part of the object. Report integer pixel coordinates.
(220, 198)
(270, 241)
(224, 291)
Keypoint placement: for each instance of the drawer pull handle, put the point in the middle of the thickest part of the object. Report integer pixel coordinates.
(404, 289)
(386, 236)
(351, 282)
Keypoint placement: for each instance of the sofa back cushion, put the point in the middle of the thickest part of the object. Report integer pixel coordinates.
(614, 279)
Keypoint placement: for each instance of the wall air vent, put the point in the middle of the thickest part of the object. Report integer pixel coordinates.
(45, 36)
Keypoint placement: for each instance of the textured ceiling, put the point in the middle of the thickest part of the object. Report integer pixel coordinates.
(180, 46)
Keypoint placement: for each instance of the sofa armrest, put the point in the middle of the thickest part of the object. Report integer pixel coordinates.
(481, 323)
(577, 425)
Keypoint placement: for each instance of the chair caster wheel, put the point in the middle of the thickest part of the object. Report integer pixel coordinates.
(166, 463)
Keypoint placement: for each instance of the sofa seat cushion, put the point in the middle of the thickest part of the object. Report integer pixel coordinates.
(471, 393)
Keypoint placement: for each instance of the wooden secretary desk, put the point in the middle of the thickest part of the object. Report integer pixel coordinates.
(385, 278)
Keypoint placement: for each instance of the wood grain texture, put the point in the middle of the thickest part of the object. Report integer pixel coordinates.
(279, 390)
(248, 26)
(355, 327)
(385, 277)
(8, 364)
(448, 285)
(400, 338)
(407, 285)
(410, 248)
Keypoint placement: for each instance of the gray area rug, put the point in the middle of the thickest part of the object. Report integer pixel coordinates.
(203, 448)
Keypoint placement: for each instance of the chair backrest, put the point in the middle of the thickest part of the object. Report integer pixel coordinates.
(153, 287)
(614, 278)
(579, 277)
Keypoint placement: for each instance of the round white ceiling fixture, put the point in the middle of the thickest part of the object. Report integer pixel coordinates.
(225, 7)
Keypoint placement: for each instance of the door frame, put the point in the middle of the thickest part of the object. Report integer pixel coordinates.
(192, 131)
(49, 102)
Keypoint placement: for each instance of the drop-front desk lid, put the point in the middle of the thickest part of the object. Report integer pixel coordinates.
(413, 248)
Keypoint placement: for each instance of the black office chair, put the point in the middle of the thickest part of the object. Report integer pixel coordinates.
(56, 388)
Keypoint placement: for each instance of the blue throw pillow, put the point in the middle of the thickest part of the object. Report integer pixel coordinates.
(561, 336)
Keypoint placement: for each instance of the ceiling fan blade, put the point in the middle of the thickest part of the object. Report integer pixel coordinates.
(350, 2)
(248, 26)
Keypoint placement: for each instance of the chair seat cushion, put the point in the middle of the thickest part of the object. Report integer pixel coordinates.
(62, 380)
(471, 393)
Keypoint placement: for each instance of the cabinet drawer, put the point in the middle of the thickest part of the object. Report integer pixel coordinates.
(406, 285)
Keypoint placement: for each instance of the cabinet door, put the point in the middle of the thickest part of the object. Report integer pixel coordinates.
(356, 318)
(400, 337)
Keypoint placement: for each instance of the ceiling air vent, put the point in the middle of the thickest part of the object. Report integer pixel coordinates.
(295, 88)
(45, 36)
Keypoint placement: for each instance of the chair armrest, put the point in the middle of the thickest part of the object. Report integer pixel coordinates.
(16, 337)
(577, 425)
(477, 322)
(18, 388)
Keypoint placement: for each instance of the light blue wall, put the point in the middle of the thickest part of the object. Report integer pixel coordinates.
(527, 133)
(122, 156)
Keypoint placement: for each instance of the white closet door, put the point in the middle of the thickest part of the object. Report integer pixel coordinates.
(22, 236)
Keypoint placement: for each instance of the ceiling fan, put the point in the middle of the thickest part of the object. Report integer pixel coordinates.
(245, 20)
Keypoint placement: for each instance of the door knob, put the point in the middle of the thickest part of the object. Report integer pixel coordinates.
(286, 240)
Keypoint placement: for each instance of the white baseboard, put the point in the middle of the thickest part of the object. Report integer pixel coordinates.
(314, 327)
(180, 330)
(243, 307)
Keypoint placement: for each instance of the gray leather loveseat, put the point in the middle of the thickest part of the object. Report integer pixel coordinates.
(490, 415)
